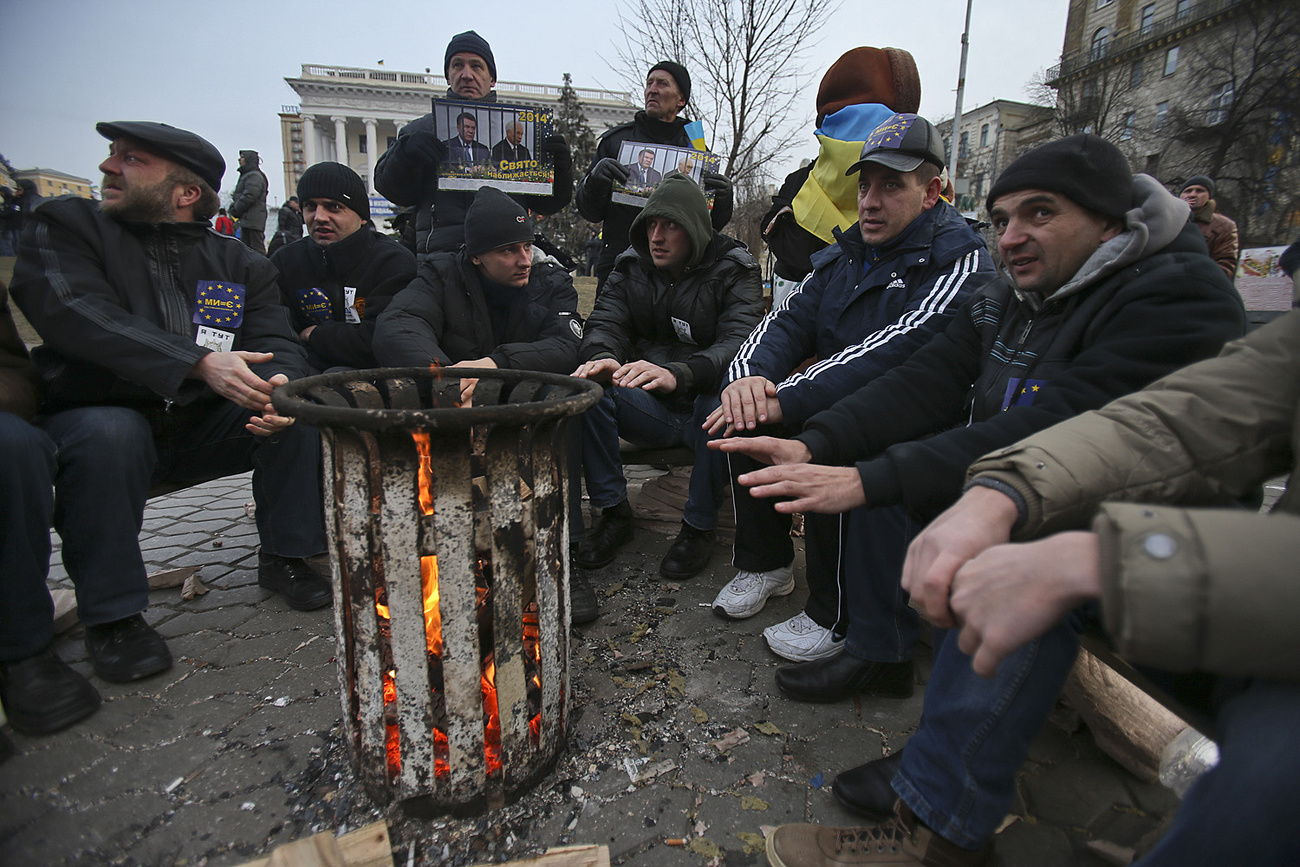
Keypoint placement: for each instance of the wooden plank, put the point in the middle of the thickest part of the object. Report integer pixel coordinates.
(365, 847)
(1128, 724)
(319, 851)
(568, 856)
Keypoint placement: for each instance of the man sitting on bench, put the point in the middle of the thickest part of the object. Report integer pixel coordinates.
(667, 322)
(162, 343)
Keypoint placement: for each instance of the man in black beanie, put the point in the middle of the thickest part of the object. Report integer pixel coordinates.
(1220, 232)
(1104, 288)
(667, 92)
(407, 173)
(338, 279)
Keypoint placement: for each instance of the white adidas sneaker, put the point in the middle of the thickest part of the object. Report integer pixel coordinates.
(800, 639)
(747, 593)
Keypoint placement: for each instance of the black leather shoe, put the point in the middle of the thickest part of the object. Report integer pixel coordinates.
(611, 530)
(688, 554)
(127, 649)
(866, 790)
(843, 675)
(42, 694)
(583, 605)
(301, 585)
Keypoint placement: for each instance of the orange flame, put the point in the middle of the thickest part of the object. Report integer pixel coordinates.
(492, 731)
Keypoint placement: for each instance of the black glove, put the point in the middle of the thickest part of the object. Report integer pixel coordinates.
(558, 149)
(428, 147)
(716, 183)
(605, 174)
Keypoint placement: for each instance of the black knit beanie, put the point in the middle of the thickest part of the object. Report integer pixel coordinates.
(494, 220)
(335, 181)
(679, 74)
(1087, 170)
(471, 43)
(1199, 181)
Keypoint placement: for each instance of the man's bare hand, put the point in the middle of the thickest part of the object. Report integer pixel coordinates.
(1011, 594)
(810, 487)
(645, 375)
(229, 375)
(981, 519)
(269, 421)
(767, 450)
(600, 370)
(305, 334)
(746, 403)
(467, 386)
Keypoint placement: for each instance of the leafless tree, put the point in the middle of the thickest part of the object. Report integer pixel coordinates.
(746, 63)
(1243, 119)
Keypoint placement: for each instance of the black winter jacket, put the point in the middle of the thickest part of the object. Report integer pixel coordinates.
(692, 327)
(248, 201)
(443, 317)
(1010, 365)
(859, 325)
(115, 304)
(405, 176)
(617, 218)
(313, 284)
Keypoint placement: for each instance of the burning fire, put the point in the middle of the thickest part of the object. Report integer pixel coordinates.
(433, 642)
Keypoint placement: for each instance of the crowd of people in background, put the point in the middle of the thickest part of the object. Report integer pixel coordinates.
(1017, 441)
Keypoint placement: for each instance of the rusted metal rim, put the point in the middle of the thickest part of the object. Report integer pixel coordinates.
(412, 398)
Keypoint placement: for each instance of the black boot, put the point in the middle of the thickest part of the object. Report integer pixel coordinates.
(611, 530)
(688, 555)
(583, 605)
(866, 789)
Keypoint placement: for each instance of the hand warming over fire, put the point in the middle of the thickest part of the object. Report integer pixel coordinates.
(467, 385)
(645, 375)
(269, 422)
(229, 375)
(599, 369)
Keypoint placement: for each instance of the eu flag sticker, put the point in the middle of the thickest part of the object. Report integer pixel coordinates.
(219, 303)
(1022, 392)
(314, 304)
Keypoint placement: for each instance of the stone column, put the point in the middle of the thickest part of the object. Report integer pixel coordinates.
(340, 138)
(309, 140)
(372, 148)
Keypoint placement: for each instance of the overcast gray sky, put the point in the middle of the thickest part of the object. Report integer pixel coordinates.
(218, 68)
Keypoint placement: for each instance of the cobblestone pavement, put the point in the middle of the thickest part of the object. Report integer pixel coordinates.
(238, 747)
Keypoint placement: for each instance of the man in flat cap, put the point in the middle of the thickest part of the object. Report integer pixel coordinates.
(1104, 288)
(407, 173)
(162, 342)
(338, 279)
(667, 91)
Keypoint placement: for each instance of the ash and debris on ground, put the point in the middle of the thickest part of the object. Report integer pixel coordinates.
(680, 750)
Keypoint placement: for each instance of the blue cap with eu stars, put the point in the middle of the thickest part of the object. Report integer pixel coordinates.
(902, 143)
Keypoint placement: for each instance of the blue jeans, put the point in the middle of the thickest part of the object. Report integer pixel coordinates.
(99, 463)
(638, 417)
(882, 627)
(958, 771)
(1243, 811)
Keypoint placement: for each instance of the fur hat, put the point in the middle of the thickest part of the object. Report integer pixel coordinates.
(886, 76)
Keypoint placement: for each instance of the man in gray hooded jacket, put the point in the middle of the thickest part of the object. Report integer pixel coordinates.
(1105, 288)
(666, 324)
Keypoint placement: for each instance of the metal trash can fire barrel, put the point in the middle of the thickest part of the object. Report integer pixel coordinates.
(448, 532)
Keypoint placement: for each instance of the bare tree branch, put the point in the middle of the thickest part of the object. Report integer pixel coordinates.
(746, 63)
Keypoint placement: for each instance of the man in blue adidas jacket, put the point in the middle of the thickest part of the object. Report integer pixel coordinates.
(891, 283)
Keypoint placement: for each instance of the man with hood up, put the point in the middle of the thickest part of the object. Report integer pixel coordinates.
(407, 173)
(248, 202)
(673, 312)
(1105, 288)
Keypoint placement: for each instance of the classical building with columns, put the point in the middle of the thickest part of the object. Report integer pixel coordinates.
(351, 115)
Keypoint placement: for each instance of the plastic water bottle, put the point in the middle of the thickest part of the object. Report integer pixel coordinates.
(1185, 759)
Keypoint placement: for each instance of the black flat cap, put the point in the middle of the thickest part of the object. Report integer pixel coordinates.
(178, 145)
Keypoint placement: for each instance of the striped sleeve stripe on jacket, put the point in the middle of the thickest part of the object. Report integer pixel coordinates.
(940, 297)
(739, 366)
